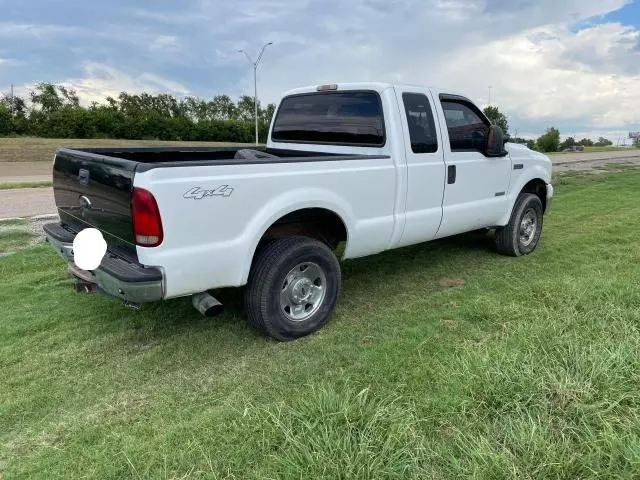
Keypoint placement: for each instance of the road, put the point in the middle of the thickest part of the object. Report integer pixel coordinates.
(13, 172)
(27, 202)
(587, 161)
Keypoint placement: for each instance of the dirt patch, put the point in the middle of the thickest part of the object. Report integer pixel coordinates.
(451, 282)
(16, 235)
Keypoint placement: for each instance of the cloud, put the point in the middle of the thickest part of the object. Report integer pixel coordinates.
(17, 31)
(547, 81)
(100, 81)
(549, 61)
(542, 71)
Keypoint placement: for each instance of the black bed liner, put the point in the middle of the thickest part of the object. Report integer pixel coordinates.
(166, 157)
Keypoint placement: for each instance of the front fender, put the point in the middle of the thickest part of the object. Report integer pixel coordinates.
(531, 173)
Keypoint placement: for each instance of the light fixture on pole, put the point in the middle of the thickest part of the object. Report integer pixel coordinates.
(255, 81)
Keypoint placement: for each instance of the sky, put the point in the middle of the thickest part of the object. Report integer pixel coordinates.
(572, 64)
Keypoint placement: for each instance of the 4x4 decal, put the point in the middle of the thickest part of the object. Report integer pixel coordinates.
(198, 193)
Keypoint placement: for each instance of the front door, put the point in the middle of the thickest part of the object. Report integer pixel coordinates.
(476, 185)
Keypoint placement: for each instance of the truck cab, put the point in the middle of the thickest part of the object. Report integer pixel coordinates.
(372, 166)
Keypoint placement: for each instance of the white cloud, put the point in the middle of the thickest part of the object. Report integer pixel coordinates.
(550, 62)
(100, 81)
(165, 43)
(15, 30)
(545, 81)
(542, 72)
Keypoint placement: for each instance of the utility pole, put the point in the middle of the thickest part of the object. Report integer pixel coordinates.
(255, 81)
(490, 87)
(11, 96)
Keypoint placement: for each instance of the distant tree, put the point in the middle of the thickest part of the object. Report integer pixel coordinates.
(550, 141)
(15, 105)
(585, 142)
(497, 118)
(5, 120)
(244, 108)
(48, 97)
(223, 108)
(568, 143)
(603, 142)
(636, 142)
(267, 114)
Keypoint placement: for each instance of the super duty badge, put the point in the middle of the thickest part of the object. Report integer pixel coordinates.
(198, 193)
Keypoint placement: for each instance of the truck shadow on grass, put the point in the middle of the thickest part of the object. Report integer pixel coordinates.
(423, 268)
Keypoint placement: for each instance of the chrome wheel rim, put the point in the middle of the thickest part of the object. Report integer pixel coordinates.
(528, 227)
(303, 291)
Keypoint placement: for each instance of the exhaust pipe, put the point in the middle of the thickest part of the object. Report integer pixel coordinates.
(206, 304)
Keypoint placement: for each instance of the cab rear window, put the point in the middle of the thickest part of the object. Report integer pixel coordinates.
(333, 118)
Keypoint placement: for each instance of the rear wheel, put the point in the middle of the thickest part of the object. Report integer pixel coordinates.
(293, 287)
(522, 234)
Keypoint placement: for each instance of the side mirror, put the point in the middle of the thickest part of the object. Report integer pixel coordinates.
(495, 142)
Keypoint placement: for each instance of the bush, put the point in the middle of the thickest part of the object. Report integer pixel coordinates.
(57, 113)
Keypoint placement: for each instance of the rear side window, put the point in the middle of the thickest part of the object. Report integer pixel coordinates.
(422, 128)
(335, 118)
(467, 130)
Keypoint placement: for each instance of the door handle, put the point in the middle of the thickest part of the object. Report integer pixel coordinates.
(451, 174)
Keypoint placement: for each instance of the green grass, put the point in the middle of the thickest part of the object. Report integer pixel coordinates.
(528, 369)
(13, 185)
(13, 239)
(607, 149)
(13, 222)
(600, 149)
(31, 149)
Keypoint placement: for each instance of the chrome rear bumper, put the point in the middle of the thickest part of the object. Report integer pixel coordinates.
(115, 276)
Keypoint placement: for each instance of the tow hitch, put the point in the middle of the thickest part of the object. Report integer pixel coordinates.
(82, 280)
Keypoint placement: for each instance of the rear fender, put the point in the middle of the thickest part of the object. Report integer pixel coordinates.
(284, 205)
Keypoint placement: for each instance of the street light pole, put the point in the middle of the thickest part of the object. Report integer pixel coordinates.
(255, 81)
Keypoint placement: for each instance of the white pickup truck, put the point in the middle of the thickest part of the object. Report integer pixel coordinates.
(365, 166)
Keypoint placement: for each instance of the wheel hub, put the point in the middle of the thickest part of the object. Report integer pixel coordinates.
(528, 227)
(303, 291)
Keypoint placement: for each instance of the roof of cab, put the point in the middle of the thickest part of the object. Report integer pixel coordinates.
(375, 86)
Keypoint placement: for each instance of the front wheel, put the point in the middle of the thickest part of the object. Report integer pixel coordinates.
(522, 234)
(293, 287)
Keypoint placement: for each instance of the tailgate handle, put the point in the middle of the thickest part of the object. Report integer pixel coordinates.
(85, 202)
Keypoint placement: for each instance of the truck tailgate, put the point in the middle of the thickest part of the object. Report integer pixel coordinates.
(95, 191)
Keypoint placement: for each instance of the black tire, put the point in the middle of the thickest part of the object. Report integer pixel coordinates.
(270, 270)
(508, 238)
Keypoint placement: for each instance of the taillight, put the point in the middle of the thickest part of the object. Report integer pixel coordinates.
(147, 225)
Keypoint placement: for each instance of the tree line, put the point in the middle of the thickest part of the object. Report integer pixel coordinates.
(547, 142)
(54, 111)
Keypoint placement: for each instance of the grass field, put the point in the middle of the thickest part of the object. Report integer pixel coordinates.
(600, 149)
(13, 185)
(29, 149)
(525, 368)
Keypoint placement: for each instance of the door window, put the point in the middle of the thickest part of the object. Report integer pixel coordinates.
(467, 130)
(422, 129)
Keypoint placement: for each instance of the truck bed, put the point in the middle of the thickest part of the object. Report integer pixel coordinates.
(93, 186)
(175, 156)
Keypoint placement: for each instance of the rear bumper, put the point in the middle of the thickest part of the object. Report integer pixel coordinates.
(115, 276)
(549, 197)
